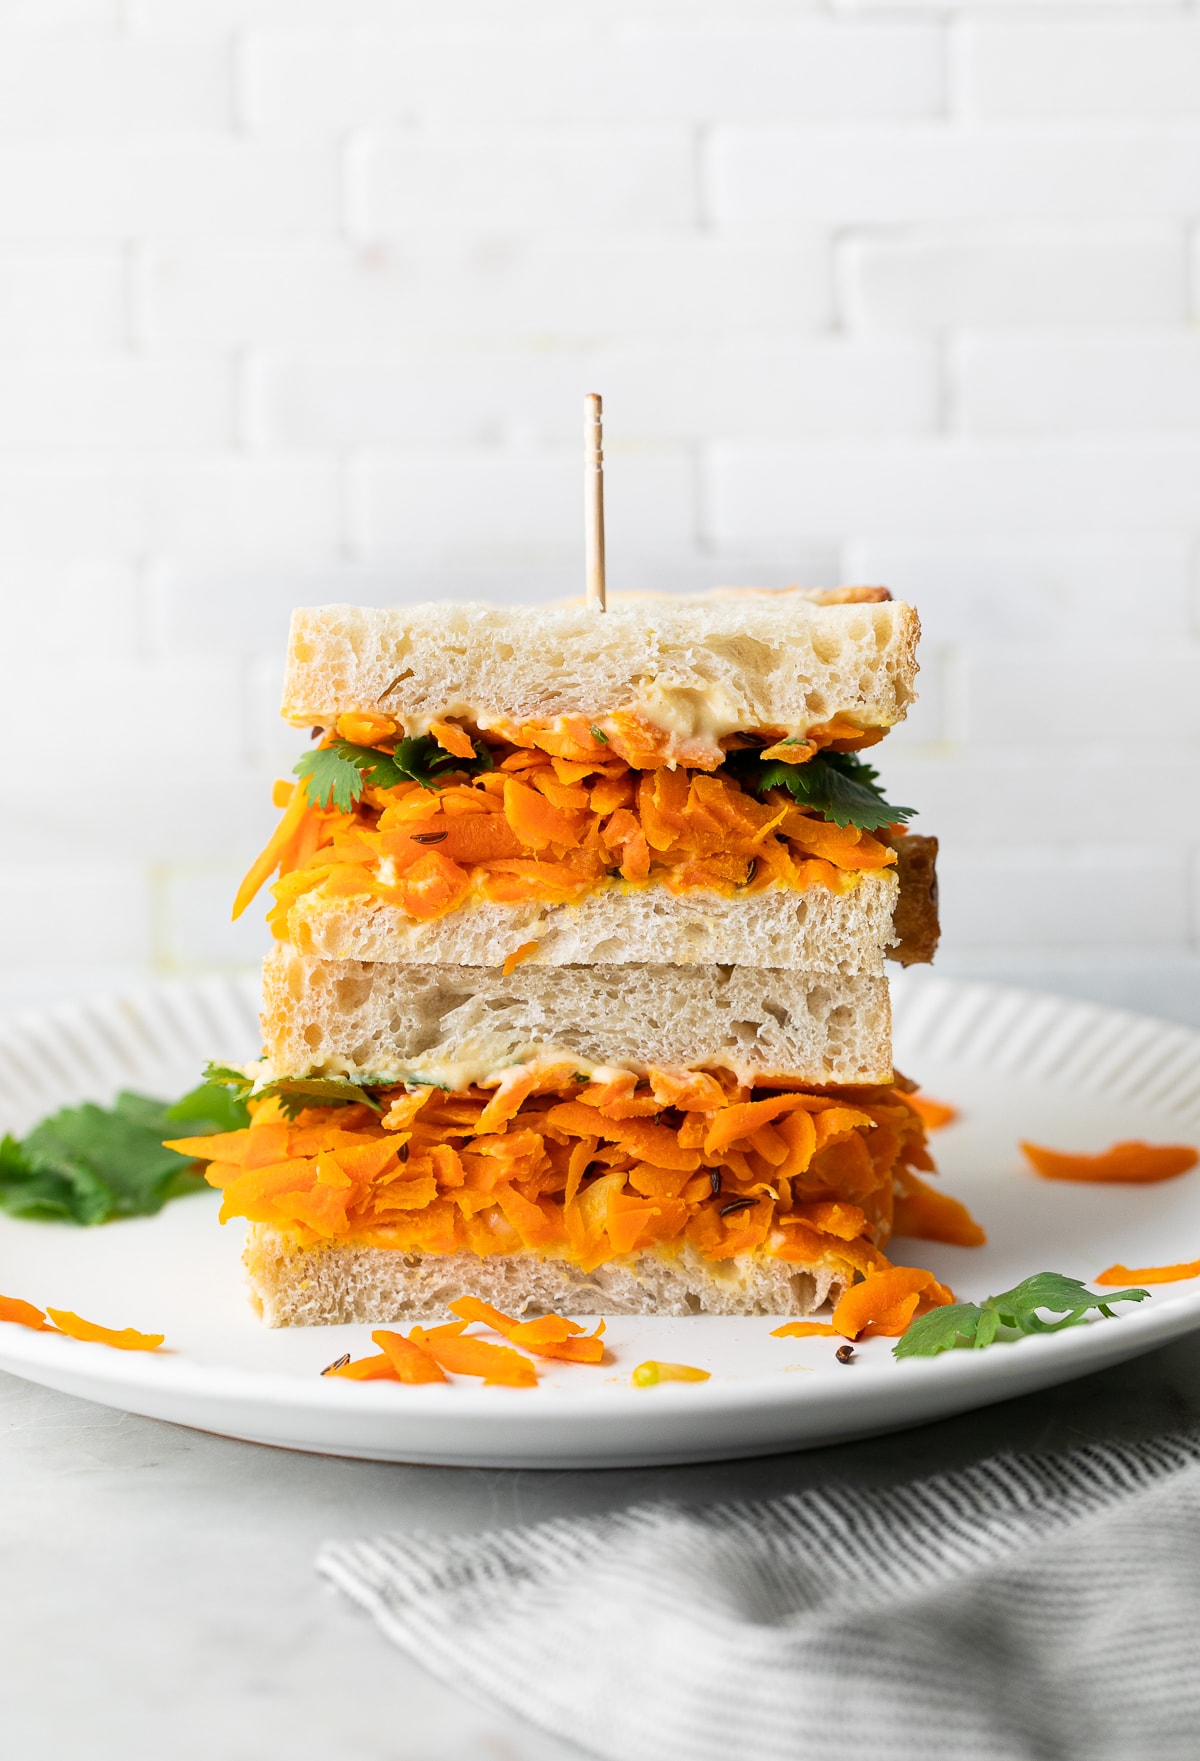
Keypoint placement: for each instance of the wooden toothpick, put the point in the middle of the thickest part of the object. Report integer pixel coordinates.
(593, 500)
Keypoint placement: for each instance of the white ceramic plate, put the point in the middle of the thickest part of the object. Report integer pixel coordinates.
(1019, 1065)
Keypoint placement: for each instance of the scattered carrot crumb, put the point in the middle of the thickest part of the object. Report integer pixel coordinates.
(651, 1372)
(1150, 1274)
(805, 1330)
(365, 1369)
(411, 1362)
(935, 1114)
(24, 1314)
(125, 1339)
(1131, 1163)
(547, 1336)
(513, 960)
(885, 1302)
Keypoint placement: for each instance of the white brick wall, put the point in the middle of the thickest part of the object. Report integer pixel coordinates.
(297, 302)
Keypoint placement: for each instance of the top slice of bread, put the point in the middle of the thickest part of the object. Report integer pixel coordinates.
(700, 667)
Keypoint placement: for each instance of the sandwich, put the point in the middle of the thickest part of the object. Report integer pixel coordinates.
(578, 997)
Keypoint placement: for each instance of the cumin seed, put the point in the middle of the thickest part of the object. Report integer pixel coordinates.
(714, 1180)
(339, 1363)
(738, 1204)
(429, 837)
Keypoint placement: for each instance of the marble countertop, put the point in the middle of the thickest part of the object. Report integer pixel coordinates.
(160, 1599)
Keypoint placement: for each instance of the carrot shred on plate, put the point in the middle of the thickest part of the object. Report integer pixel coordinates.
(1150, 1274)
(1129, 1163)
(411, 1362)
(935, 1114)
(24, 1314)
(498, 1365)
(124, 1338)
(649, 1374)
(805, 1330)
(886, 1301)
(365, 1369)
(551, 1336)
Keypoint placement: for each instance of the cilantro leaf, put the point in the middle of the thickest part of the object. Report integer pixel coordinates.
(213, 1105)
(294, 1093)
(336, 775)
(978, 1324)
(424, 761)
(88, 1164)
(838, 785)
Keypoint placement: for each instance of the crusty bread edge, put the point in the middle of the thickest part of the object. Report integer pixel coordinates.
(338, 1283)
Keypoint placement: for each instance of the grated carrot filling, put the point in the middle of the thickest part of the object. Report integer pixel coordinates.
(583, 1171)
(921, 1211)
(559, 816)
(1150, 1274)
(1132, 1163)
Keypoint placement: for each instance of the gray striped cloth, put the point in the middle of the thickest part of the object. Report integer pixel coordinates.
(1023, 1608)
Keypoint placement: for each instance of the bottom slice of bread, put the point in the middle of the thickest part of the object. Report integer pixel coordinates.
(294, 1286)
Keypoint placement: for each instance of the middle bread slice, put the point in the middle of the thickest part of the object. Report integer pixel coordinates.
(814, 929)
(456, 1025)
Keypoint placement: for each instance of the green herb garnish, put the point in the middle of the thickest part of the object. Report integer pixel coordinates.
(89, 1164)
(293, 1093)
(337, 774)
(838, 785)
(598, 734)
(978, 1324)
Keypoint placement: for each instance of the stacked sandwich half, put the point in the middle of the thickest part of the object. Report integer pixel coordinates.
(578, 996)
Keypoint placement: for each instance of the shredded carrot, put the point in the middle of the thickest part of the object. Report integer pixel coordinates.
(24, 1314)
(1150, 1274)
(547, 1336)
(934, 1113)
(453, 739)
(586, 1173)
(885, 1302)
(554, 818)
(928, 1215)
(513, 960)
(366, 1369)
(364, 728)
(805, 1330)
(126, 1339)
(498, 1365)
(411, 1362)
(1131, 1163)
(649, 1374)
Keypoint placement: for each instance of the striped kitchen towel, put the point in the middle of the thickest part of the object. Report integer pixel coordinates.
(1021, 1609)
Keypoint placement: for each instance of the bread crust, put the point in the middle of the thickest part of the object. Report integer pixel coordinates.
(293, 1286)
(703, 666)
(915, 919)
(814, 930)
(351, 1017)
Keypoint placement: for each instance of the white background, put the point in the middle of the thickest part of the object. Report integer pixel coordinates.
(298, 299)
